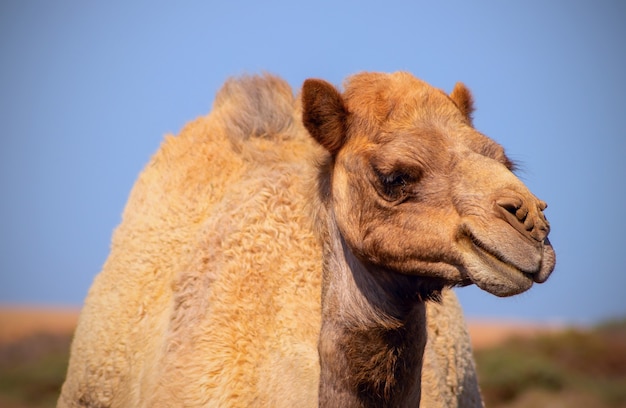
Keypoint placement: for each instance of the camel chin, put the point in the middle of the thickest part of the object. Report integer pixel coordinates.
(496, 277)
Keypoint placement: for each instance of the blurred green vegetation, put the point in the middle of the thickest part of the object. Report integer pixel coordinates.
(33, 370)
(573, 361)
(570, 368)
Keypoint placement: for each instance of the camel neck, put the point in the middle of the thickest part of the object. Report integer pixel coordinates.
(373, 333)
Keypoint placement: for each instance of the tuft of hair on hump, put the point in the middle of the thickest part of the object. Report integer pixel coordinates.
(463, 99)
(256, 106)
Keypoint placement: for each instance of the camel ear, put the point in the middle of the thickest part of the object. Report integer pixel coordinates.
(462, 97)
(324, 114)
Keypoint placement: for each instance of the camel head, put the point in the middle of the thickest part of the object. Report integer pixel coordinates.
(415, 189)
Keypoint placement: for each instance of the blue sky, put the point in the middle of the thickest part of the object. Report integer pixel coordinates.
(89, 90)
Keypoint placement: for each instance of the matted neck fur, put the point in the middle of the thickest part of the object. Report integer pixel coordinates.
(416, 199)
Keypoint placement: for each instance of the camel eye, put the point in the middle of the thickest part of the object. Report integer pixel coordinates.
(394, 180)
(394, 186)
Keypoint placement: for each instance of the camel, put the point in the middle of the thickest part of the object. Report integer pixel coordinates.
(300, 252)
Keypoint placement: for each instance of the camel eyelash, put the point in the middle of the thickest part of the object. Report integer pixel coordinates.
(394, 186)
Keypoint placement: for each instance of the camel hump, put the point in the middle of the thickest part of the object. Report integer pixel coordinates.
(256, 106)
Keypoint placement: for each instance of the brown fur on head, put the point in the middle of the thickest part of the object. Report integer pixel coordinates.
(417, 190)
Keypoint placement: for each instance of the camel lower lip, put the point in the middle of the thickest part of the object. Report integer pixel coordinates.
(497, 276)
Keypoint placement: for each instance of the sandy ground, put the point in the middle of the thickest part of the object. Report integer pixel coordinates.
(18, 322)
(489, 333)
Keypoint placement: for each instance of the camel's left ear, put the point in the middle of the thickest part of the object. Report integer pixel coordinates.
(462, 97)
(324, 114)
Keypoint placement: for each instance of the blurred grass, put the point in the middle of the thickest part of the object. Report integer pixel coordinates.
(573, 368)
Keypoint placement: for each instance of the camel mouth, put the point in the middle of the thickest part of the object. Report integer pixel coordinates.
(484, 249)
(493, 272)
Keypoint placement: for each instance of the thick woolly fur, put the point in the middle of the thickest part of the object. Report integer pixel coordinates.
(211, 294)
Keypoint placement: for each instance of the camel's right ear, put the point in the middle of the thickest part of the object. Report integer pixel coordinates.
(324, 114)
(463, 99)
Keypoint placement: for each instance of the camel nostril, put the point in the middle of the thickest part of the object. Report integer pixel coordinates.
(515, 207)
(524, 218)
(511, 205)
(512, 208)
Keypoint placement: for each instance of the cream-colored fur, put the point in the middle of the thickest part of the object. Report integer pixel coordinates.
(211, 294)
